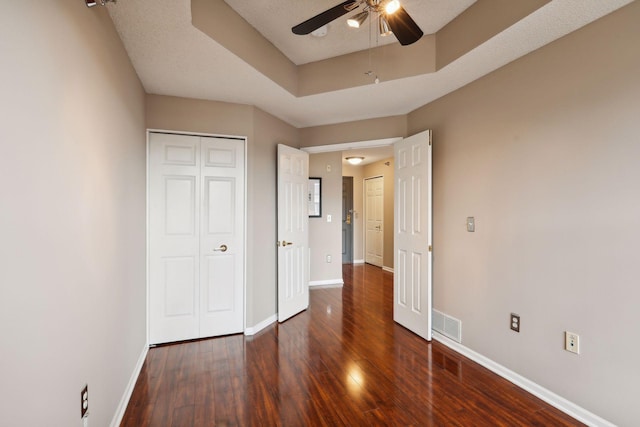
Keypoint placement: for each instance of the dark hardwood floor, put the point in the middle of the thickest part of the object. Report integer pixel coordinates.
(343, 362)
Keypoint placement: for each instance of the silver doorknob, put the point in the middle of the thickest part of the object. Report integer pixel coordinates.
(222, 248)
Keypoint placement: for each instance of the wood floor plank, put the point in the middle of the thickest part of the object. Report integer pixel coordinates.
(182, 416)
(342, 362)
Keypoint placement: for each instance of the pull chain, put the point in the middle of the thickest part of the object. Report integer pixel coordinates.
(370, 72)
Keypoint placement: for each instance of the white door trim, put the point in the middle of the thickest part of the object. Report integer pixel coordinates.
(374, 143)
(149, 131)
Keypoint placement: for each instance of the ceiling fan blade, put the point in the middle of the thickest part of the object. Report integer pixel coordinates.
(404, 27)
(325, 17)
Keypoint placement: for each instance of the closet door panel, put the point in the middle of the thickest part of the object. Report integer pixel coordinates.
(174, 207)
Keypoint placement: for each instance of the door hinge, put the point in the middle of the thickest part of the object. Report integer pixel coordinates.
(430, 133)
(430, 248)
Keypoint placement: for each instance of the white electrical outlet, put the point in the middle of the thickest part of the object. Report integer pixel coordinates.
(328, 258)
(572, 342)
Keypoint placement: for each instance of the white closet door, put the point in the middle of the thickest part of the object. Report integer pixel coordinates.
(174, 237)
(196, 237)
(222, 237)
(374, 220)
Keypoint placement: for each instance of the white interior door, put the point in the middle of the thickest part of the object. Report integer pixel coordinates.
(174, 229)
(196, 205)
(412, 300)
(374, 224)
(222, 237)
(293, 232)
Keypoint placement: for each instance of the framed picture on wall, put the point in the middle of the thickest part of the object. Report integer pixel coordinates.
(315, 197)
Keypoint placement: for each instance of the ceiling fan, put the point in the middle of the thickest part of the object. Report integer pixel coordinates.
(392, 19)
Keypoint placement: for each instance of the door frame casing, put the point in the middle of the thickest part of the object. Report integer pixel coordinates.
(149, 131)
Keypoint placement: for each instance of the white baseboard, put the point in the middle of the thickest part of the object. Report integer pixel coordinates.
(389, 269)
(124, 401)
(334, 283)
(569, 408)
(358, 261)
(260, 326)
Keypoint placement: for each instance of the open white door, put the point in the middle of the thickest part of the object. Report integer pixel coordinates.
(412, 299)
(293, 232)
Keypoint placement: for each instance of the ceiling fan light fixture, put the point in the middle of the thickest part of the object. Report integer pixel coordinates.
(383, 26)
(391, 7)
(358, 19)
(354, 160)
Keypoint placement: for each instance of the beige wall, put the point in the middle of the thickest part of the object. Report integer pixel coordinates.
(263, 133)
(545, 154)
(477, 24)
(197, 115)
(325, 238)
(393, 61)
(72, 221)
(386, 171)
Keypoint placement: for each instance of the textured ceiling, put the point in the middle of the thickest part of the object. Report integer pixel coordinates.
(274, 19)
(173, 58)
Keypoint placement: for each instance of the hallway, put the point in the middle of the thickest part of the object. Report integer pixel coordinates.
(343, 362)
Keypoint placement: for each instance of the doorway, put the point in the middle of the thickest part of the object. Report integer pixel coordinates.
(412, 229)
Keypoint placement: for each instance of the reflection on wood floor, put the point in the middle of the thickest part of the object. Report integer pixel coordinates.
(343, 362)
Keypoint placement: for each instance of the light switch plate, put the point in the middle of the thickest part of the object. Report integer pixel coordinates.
(328, 218)
(471, 224)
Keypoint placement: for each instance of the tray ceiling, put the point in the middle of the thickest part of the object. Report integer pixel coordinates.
(174, 58)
